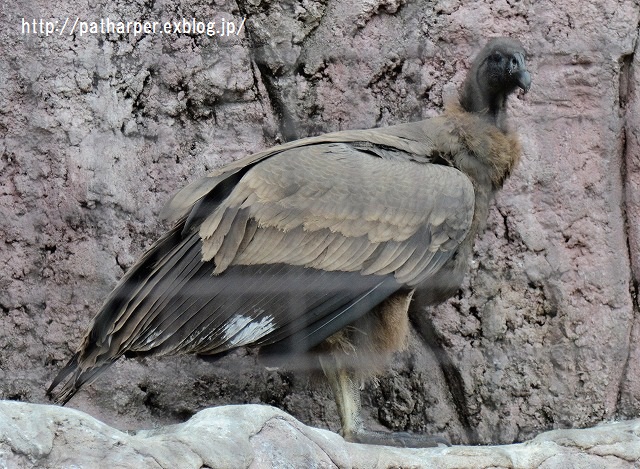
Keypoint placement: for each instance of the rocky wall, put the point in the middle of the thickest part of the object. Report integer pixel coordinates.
(98, 130)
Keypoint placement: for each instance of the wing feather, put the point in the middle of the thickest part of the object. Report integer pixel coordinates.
(328, 259)
(231, 242)
(391, 253)
(135, 289)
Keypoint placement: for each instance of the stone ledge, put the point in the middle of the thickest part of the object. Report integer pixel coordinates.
(257, 436)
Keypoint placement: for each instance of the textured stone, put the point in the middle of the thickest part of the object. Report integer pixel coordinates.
(255, 436)
(98, 131)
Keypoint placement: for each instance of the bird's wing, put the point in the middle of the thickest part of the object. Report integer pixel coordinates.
(418, 140)
(282, 253)
(310, 203)
(326, 224)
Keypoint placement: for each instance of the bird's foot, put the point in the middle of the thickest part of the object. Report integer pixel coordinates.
(397, 439)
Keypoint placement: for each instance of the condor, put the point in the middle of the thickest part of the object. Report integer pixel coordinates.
(313, 250)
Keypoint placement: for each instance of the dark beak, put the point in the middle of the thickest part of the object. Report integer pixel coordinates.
(523, 79)
(519, 72)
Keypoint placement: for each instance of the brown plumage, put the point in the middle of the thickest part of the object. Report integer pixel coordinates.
(314, 248)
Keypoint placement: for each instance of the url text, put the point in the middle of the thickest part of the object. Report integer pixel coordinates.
(73, 26)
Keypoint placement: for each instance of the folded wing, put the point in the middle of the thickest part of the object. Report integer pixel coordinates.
(282, 251)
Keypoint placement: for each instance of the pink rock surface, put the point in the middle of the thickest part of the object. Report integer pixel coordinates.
(99, 130)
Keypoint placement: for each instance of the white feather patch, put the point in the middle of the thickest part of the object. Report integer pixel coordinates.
(243, 330)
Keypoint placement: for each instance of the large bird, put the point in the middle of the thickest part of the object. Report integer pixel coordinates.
(312, 250)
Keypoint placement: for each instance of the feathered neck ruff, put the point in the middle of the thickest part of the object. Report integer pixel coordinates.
(499, 149)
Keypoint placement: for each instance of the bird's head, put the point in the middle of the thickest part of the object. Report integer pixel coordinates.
(497, 71)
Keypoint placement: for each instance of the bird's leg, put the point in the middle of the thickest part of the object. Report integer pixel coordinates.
(346, 393)
(346, 390)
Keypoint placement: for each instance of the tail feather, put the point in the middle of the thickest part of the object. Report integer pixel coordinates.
(62, 375)
(95, 347)
(72, 378)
